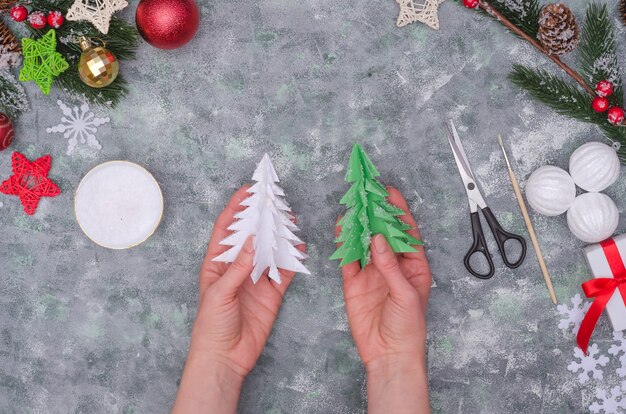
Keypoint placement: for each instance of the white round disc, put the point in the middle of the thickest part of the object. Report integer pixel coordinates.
(118, 204)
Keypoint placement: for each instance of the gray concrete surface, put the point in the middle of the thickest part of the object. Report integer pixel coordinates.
(89, 330)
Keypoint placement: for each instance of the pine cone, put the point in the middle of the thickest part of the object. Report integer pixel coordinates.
(622, 11)
(6, 4)
(10, 51)
(558, 30)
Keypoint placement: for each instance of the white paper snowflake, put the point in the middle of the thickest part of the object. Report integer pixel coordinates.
(609, 402)
(617, 349)
(79, 126)
(574, 316)
(589, 365)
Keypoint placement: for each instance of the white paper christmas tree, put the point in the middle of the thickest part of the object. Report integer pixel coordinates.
(268, 218)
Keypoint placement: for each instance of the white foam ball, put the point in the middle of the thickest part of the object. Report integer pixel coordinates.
(550, 190)
(594, 166)
(593, 217)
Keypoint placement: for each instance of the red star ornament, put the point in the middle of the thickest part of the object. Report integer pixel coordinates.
(30, 181)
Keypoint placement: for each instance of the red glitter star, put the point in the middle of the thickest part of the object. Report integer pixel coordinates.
(30, 181)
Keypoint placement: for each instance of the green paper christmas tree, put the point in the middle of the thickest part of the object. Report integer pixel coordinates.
(368, 214)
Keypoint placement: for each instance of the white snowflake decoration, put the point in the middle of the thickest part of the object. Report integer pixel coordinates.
(574, 316)
(617, 349)
(609, 402)
(79, 126)
(424, 11)
(97, 12)
(589, 365)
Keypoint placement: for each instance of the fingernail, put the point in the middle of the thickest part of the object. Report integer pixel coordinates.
(380, 243)
(248, 246)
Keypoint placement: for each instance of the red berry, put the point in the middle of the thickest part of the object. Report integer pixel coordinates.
(604, 88)
(600, 104)
(470, 4)
(55, 19)
(615, 115)
(19, 13)
(37, 20)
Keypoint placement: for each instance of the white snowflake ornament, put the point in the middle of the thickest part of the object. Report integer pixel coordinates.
(574, 316)
(589, 364)
(96, 12)
(617, 349)
(267, 217)
(609, 402)
(424, 11)
(79, 126)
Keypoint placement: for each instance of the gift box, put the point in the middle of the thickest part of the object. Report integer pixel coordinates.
(600, 267)
(607, 288)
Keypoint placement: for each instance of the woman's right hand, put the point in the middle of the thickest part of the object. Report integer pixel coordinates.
(386, 304)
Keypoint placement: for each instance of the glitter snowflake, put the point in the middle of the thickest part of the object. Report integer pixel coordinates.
(574, 316)
(609, 402)
(617, 349)
(79, 125)
(589, 364)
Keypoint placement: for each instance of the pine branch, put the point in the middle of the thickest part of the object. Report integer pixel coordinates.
(122, 41)
(493, 12)
(567, 100)
(522, 13)
(13, 99)
(597, 51)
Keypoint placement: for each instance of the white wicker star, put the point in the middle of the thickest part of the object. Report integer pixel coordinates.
(415, 11)
(97, 12)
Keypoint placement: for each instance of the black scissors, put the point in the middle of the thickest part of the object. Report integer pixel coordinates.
(476, 200)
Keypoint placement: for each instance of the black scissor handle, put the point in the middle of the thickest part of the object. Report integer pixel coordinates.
(478, 246)
(502, 236)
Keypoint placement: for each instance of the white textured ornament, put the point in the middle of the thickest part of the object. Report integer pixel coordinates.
(78, 126)
(593, 217)
(118, 204)
(266, 217)
(594, 166)
(97, 12)
(424, 11)
(550, 190)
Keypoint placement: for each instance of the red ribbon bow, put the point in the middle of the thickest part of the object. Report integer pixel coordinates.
(602, 290)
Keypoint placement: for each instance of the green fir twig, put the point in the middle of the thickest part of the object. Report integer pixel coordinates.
(13, 100)
(597, 61)
(566, 99)
(522, 13)
(597, 52)
(121, 40)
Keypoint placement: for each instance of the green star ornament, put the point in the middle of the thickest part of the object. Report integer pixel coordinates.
(41, 61)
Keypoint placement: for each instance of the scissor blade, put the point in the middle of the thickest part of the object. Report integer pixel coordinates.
(461, 150)
(461, 161)
(474, 196)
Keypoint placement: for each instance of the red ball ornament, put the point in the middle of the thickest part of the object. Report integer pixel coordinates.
(600, 104)
(19, 13)
(615, 115)
(37, 20)
(470, 4)
(55, 19)
(604, 88)
(167, 24)
(6, 131)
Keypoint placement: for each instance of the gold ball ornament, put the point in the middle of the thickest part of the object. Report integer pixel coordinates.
(97, 66)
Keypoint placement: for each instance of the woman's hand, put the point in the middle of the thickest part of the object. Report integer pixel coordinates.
(386, 304)
(234, 320)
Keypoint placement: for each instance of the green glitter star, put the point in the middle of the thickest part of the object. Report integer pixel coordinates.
(41, 61)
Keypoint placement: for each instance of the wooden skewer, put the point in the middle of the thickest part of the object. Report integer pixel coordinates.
(529, 224)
